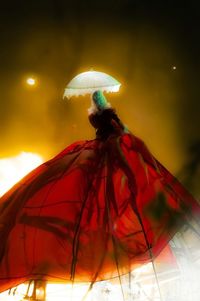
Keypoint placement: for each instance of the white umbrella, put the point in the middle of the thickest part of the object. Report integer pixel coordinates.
(89, 82)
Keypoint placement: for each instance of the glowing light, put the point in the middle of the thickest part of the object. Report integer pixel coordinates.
(13, 294)
(140, 285)
(174, 68)
(63, 292)
(31, 81)
(15, 168)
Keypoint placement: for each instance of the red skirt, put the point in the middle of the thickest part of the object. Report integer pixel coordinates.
(96, 211)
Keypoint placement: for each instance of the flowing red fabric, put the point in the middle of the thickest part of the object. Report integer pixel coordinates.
(95, 211)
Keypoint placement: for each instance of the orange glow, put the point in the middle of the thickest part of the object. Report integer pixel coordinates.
(13, 169)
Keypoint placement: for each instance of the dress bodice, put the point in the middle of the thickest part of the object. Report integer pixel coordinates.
(106, 123)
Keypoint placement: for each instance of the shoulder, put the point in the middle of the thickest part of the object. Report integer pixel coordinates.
(102, 117)
(109, 112)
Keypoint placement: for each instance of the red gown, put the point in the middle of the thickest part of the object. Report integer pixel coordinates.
(97, 210)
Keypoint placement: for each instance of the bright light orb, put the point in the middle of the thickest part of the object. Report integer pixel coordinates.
(174, 68)
(13, 169)
(31, 81)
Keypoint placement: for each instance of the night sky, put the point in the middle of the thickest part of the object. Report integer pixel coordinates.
(152, 47)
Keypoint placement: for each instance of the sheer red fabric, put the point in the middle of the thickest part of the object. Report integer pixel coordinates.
(95, 211)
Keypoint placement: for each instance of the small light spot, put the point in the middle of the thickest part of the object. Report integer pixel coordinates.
(31, 81)
(174, 68)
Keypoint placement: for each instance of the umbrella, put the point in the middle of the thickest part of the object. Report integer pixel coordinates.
(89, 82)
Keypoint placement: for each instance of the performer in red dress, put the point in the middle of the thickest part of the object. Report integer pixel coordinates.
(97, 210)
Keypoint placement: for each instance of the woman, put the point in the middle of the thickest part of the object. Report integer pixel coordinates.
(96, 211)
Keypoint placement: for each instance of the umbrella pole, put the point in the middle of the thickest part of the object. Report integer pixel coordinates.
(91, 100)
(93, 108)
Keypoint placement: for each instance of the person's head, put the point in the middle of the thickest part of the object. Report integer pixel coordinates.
(99, 99)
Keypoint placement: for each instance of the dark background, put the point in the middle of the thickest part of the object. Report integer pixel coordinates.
(138, 42)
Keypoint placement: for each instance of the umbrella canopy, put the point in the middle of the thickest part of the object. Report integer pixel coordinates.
(89, 82)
